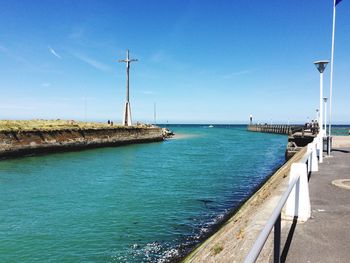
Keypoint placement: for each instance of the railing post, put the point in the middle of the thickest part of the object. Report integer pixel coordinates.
(314, 161)
(277, 241)
(320, 146)
(308, 161)
(298, 203)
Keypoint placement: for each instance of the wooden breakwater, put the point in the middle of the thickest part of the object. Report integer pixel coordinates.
(28, 142)
(274, 128)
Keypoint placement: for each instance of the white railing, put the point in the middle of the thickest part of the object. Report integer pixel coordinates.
(296, 198)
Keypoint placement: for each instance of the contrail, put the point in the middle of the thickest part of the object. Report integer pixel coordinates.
(53, 52)
(92, 62)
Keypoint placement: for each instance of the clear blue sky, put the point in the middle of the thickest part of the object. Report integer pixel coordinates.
(200, 61)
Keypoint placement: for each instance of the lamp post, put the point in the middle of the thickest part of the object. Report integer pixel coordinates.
(317, 116)
(321, 65)
(325, 127)
(325, 116)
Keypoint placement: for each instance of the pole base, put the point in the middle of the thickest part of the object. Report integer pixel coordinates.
(127, 115)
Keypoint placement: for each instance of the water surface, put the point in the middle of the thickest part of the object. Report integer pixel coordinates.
(137, 203)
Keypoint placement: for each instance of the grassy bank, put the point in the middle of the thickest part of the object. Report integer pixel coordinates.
(51, 125)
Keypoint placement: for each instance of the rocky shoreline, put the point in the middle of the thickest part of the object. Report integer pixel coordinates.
(30, 142)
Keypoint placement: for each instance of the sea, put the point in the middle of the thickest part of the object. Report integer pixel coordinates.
(149, 202)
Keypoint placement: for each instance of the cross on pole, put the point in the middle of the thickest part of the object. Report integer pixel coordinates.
(127, 108)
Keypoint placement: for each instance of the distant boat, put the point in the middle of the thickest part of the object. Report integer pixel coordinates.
(211, 126)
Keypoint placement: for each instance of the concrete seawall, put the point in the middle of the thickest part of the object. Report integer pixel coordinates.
(20, 143)
(232, 242)
(273, 128)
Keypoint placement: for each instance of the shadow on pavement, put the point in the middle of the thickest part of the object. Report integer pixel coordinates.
(339, 150)
(289, 240)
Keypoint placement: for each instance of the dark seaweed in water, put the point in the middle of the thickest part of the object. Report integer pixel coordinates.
(205, 202)
(202, 228)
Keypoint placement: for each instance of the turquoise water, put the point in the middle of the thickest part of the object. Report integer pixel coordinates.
(137, 203)
(340, 130)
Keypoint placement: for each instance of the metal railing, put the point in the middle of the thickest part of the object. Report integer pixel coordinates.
(297, 201)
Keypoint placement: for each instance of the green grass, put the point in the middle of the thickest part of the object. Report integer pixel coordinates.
(217, 249)
(54, 125)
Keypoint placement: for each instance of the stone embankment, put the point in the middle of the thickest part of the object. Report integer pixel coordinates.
(16, 143)
(232, 242)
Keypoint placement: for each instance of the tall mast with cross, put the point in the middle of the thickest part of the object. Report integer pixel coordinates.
(127, 109)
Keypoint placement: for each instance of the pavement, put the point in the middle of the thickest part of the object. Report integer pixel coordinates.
(341, 142)
(325, 237)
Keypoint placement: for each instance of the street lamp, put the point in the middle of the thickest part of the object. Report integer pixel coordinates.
(328, 137)
(317, 117)
(325, 116)
(321, 65)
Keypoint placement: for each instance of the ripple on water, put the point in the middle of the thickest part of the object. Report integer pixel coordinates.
(140, 203)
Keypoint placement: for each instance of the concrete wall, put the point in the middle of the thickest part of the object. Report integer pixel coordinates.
(233, 240)
(20, 143)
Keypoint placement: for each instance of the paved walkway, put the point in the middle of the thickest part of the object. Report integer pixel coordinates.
(325, 237)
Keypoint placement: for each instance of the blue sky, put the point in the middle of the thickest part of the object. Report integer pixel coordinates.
(199, 61)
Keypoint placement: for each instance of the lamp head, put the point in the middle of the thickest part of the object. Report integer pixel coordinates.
(321, 65)
(325, 99)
